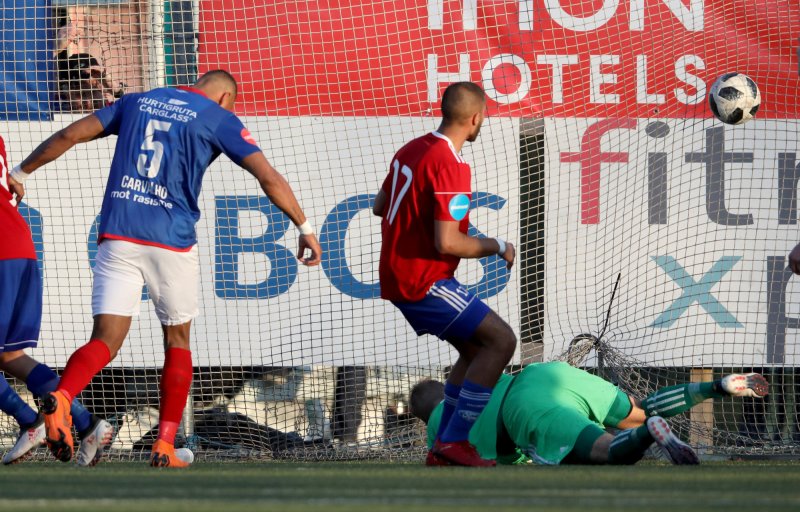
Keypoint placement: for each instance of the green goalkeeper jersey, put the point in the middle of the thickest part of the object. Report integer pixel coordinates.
(543, 414)
(484, 433)
(549, 406)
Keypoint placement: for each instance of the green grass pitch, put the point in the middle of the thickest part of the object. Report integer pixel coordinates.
(333, 487)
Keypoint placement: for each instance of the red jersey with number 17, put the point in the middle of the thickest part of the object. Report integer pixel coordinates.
(428, 181)
(15, 235)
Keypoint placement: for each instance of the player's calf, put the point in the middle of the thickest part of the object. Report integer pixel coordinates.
(674, 400)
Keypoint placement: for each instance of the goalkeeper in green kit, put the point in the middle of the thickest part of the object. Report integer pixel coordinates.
(553, 413)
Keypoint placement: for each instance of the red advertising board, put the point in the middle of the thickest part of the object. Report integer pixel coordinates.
(562, 58)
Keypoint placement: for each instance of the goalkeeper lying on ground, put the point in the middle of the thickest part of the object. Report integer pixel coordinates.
(556, 414)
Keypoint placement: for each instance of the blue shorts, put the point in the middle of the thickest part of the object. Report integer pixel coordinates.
(20, 304)
(448, 311)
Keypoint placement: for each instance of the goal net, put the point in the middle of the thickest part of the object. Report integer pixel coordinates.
(599, 158)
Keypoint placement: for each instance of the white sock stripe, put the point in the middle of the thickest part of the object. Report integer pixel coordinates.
(472, 405)
(477, 403)
(465, 391)
(664, 409)
(665, 397)
(668, 400)
(453, 394)
(456, 297)
(480, 397)
(620, 438)
(661, 394)
(450, 400)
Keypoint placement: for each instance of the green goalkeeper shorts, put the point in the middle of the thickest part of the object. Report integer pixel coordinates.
(549, 405)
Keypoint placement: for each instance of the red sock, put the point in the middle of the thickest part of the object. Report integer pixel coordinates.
(83, 364)
(176, 379)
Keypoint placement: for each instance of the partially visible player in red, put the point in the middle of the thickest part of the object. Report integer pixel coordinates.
(20, 320)
(424, 202)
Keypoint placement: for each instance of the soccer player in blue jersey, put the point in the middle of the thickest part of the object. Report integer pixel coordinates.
(166, 140)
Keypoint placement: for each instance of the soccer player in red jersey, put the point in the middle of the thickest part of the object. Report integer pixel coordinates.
(20, 320)
(424, 203)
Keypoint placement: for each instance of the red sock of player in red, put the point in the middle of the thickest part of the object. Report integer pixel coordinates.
(82, 366)
(176, 379)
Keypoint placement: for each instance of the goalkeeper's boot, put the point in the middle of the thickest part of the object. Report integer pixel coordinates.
(30, 437)
(674, 449)
(460, 453)
(164, 455)
(58, 424)
(94, 441)
(745, 384)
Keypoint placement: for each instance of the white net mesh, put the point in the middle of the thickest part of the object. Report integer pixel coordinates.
(599, 157)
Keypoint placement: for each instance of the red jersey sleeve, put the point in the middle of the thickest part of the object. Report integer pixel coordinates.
(386, 188)
(5, 194)
(451, 186)
(14, 231)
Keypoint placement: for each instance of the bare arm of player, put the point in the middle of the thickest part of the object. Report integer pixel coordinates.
(82, 130)
(380, 204)
(280, 193)
(449, 240)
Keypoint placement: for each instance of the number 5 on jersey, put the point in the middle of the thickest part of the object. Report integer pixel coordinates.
(394, 200)
(151, 150)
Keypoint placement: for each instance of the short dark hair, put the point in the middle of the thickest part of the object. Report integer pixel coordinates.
(424, 397)
(218, 74)
(461, 100)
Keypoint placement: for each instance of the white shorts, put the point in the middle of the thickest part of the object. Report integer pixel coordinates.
(122, 268)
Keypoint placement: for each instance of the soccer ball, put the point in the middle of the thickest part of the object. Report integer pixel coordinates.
(734, 98)
(185, 454)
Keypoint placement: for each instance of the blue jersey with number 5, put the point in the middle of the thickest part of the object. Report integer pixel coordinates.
(166, 140)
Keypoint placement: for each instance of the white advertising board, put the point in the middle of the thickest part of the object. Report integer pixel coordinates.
(697, 217)
(253, 310)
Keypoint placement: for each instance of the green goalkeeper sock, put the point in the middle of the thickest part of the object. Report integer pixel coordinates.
(629, 446)
(674, 400)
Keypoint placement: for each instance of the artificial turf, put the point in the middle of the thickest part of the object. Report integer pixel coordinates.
(281, 486)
